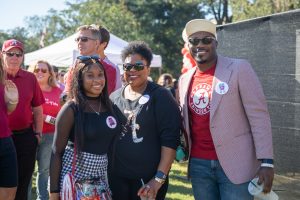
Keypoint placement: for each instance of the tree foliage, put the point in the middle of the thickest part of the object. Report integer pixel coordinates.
(246, 9)
(158, 22)
(219, 9)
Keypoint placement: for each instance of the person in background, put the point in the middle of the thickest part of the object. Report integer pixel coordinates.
(26, 122)
(88, 43)
(146, 149)
(9, 98)
(104, 40)
(166, 80)
(59, 76)
(85, 123)
(226, 118)
(55, 70)
(45, 75)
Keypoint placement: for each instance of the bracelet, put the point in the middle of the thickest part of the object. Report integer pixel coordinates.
(160, 177)
(267, 165)
(161, 181)
(50, 120)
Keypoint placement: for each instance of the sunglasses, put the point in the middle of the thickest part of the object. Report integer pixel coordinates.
(37, 70)
(136, 66)
(83, 39)
(205, 41)
(11, 54)
(85, 58)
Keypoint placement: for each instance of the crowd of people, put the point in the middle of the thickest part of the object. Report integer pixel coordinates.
(123, 130)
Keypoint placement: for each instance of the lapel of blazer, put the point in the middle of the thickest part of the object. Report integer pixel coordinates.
(184, 87)
(222, 74)
(186, 83)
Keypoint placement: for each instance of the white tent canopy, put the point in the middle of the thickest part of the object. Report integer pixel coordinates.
(64, 52)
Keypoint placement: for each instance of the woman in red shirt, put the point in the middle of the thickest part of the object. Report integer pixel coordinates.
(46, 78)
(9, 98)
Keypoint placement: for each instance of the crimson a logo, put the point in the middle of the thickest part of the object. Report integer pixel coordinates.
(199, 99)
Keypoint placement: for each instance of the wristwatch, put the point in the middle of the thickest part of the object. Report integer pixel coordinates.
(160, 177)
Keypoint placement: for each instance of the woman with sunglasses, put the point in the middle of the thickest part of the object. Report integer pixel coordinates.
(85, 123)
(45, 76)
(146, 149)
(9, 98)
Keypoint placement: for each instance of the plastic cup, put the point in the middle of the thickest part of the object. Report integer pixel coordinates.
(257, 191)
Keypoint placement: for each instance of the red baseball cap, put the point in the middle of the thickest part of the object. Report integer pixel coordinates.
(12, 43)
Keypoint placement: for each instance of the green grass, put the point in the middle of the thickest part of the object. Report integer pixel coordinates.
(179, 187)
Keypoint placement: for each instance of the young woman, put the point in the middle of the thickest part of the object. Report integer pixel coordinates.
(45, 76)
(8, 158)
(87, 123)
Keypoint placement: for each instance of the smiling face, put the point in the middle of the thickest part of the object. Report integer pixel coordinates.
(203, 54)
(134, 77)
(93, 80)
(42, 73)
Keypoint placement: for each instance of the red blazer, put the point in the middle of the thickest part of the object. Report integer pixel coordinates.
(239, 119)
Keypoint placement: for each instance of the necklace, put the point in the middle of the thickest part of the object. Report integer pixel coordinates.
(98, 113)
(132, 95)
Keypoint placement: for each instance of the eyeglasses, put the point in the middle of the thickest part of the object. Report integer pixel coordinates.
(136, 66)
(205, 41)
(11, 54)
(84, 39)
(37, 70)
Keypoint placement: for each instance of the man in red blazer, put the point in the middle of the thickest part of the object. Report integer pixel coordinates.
(226, 118)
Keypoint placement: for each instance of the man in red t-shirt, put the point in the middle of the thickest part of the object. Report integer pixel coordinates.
(226, 119)
(26, 122)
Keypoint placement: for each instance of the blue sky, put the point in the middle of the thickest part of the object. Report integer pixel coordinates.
(13, 12)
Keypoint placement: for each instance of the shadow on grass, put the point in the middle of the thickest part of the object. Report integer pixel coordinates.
(179, 186)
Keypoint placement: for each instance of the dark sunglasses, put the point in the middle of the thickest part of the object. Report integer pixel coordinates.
(83, 39)
(136, 66)
(11, 54)
(85, 58)
(37, 70)
(205, 41)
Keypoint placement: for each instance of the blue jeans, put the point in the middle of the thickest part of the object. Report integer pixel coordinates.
(43, 159)
(209, 182)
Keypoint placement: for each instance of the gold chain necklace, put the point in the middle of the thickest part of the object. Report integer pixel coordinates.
(98, 113)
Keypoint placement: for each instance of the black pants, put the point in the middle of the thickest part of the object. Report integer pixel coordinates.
(8, 163)
(26, 146)
(127, 189)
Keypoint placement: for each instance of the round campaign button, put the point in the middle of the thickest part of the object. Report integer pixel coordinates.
(111, 122)
(144, 99)
(221, 88)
